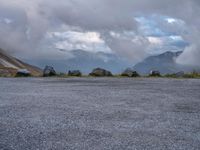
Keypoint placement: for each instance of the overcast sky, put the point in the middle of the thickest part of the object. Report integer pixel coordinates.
(133, 29)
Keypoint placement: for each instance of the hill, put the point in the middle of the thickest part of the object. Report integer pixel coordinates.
(165, 63)
(85, 62)
(9, 65)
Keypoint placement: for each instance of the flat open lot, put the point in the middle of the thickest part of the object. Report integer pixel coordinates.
(99, 113)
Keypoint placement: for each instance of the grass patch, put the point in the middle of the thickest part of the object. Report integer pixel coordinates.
(193, 74)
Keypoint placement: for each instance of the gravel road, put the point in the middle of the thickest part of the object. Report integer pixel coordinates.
(99, 114)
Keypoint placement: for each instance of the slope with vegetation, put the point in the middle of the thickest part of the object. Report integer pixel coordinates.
(10, 65)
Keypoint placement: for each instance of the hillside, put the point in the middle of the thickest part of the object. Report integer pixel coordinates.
(165, 63)
(9, 65)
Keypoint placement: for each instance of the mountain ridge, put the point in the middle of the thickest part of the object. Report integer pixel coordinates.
(165, 63)
(10, 65)
(85, 61)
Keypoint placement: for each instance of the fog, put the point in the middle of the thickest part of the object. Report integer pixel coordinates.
(24, 26)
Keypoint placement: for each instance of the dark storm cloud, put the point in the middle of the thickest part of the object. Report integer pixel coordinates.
(30, 20)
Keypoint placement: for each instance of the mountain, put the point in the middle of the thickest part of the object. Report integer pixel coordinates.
(9, 65)
(86, 61)
(165, 63)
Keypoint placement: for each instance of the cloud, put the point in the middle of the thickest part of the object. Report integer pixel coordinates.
(24, 25)
(191, 54)
(127, 44)
(155, 40)
(73, 40)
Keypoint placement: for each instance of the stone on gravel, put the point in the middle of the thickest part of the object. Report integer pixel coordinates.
(130, 73)
(180, 74)
(76, 73)
(49, 71)
(23, 73)
(99, 72)
(155, 73)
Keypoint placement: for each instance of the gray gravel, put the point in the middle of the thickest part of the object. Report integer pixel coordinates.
(98, 114)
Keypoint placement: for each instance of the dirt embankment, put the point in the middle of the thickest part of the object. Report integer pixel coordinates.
(9, 65)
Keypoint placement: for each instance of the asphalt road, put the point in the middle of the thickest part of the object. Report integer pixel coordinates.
(99, 114)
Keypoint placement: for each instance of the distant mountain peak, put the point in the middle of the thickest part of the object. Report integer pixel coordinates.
(170, 53)
(164, 62)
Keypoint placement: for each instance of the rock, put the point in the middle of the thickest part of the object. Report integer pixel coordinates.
(49, 71)
(154, 73)
(130, 73)
(76, 73)
(99, 72)
(23, 73)
(180, 74)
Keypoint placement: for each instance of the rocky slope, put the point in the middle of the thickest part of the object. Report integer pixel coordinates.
(165, 63)
(9, 65)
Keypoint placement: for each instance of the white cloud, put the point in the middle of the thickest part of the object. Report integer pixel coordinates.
(189, 55)
(86, 37)
(155, 40)
(95, 19)
(171, 20)
(72, 40)
(176, 38)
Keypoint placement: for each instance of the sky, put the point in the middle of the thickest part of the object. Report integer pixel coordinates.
(131, 29)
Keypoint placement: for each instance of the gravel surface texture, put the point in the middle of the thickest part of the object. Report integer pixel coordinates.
(99, 114)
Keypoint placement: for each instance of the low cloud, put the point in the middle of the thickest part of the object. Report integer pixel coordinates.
(25, 24)
(71, 40)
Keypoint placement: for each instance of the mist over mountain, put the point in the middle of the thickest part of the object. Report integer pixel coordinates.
(165, 63)
(85, 61)
(133, 29)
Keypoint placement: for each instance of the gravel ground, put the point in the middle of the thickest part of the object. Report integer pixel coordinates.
(99, 114)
